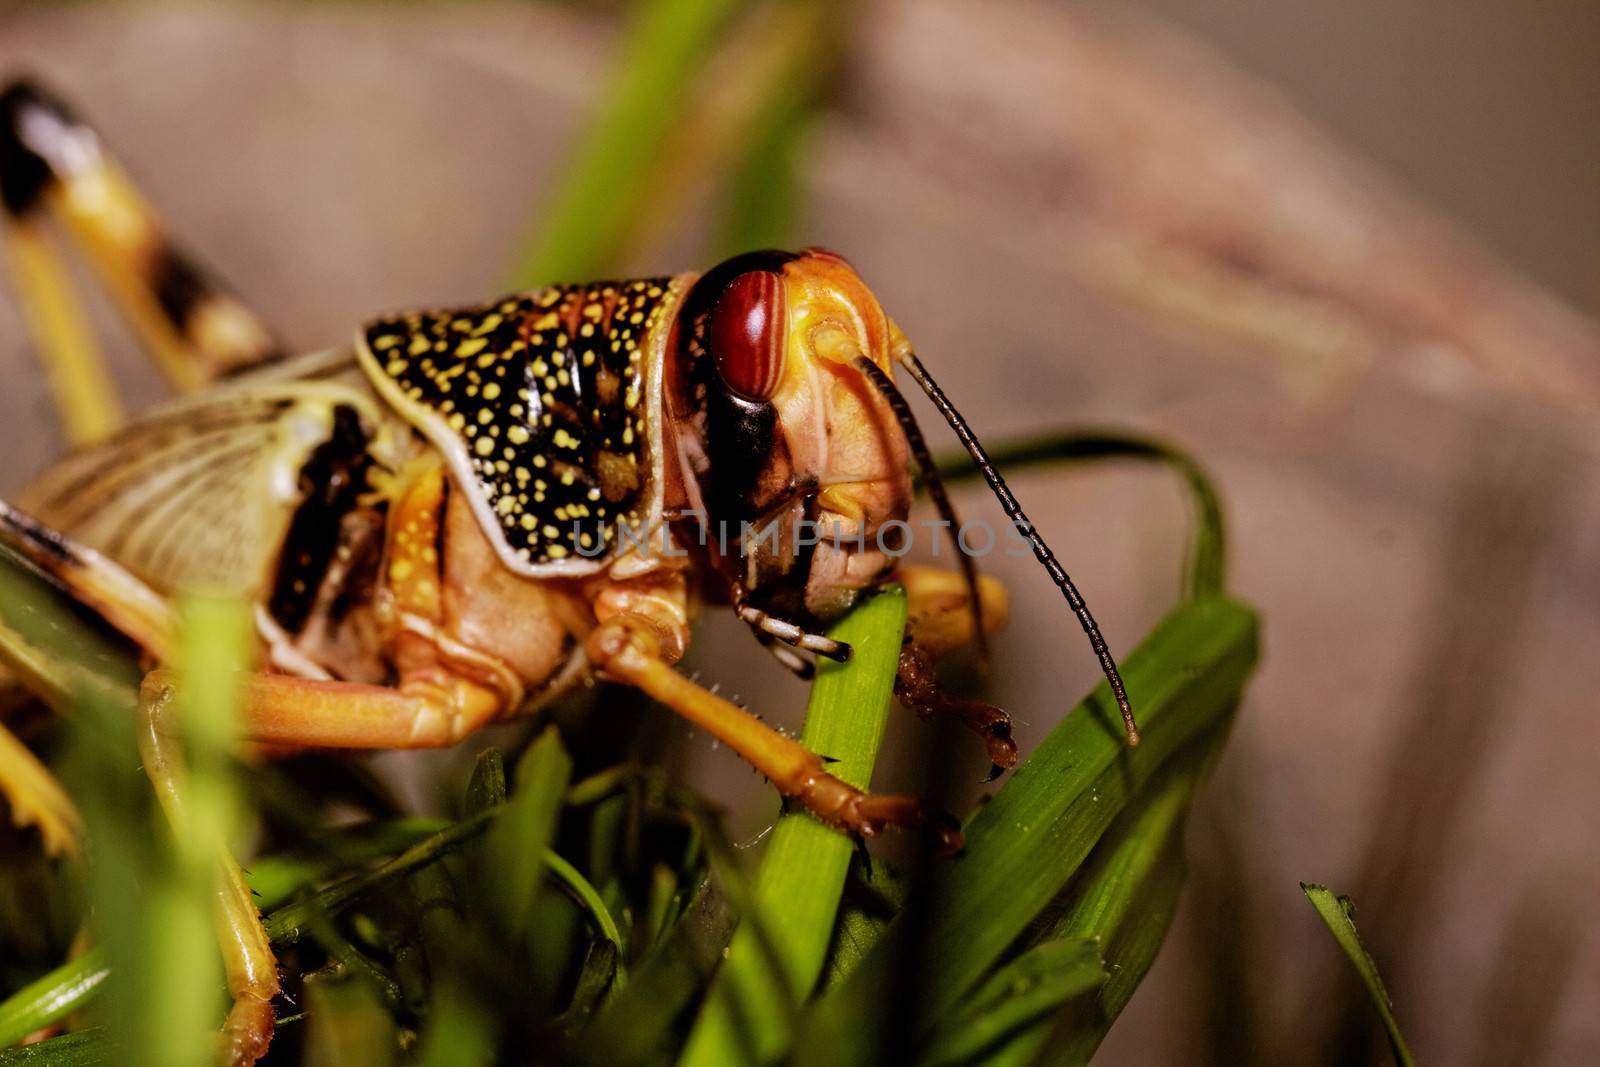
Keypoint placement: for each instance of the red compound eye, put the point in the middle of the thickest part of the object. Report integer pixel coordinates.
(747, 334)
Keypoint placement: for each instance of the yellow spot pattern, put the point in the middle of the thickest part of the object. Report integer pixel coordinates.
(551, 378)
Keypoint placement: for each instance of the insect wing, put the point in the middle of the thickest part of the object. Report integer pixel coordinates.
(199, 495)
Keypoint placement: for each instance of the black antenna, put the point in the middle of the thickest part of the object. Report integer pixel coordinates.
(1014, 512)
(935, 487)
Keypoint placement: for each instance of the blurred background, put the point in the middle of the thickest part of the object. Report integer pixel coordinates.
(1344, 254)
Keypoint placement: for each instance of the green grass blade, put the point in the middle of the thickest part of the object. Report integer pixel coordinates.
(132, 866)
(1124, 899)
(47, 642)
(349, 1025)
(516, 846)
(487, 787)
(604, 189)
(89, 1048)
(763, 197)
(275, 879)
(181, 976)
(71, 986)
(1206, 572)
(289, 923)
(595, 981)
(585, 896)
(1339, 915)
(1026, 843)
(797, 889)
(636, 1026)
(1149, 909)
(460, 1033)
(871, 899)
(1023, 992)
(52, 997)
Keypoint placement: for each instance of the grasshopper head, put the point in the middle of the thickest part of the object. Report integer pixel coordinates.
(794, 440)
(792, 456)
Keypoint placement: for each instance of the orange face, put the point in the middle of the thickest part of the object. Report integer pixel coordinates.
(788, 450)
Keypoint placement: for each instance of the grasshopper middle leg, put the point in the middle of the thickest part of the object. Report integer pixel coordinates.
(248, 962)
(939, 620)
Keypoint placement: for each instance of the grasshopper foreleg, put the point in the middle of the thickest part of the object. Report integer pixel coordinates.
(627, 648)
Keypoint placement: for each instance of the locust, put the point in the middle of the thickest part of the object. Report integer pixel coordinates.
(467, 512)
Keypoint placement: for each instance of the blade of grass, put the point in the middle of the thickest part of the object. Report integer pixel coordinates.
(871, 899)
(802, 874)
(71, 986)
(460, 1032)
(1124, 899)
(52, 997)
(1026, 990)
(1025, 844)
(348, 1024)
(286, 925)
(595, 981)
(763, 193)
(638, 1026)
(1339, 915)
(130, 860)
(1206, 572)
(275, 879)
(517, 844)
(56, 645)
(1149, 910)
(486, 788)
(89, 1048)
(586, 897)
(610, 178)
(356, 965)
(153, 905)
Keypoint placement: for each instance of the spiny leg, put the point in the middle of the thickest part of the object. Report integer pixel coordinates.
(939, 619)
(52, 163)
(282, 710)
(628, 648)
(248, 962)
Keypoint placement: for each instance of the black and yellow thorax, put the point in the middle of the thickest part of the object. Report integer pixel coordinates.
(546, 407)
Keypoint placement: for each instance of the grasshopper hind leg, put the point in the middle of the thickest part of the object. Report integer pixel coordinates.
(36, 799)
(119, 606)
(53, 167)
